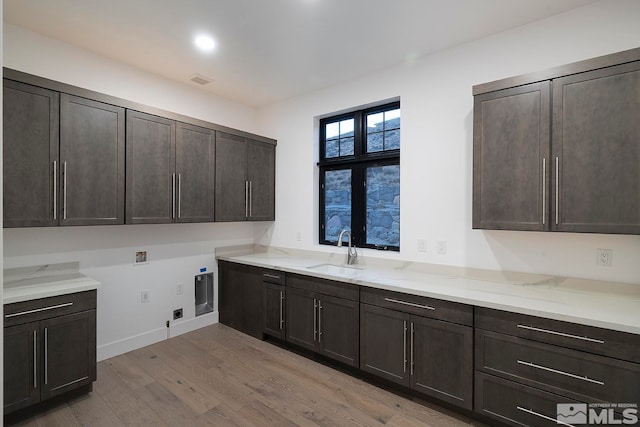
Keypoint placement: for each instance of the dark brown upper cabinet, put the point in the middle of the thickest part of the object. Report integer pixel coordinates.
(245, 179)
(511, 158)
(170, 170)
(596, 151)
(91, 162)
(559, 150)
(64, 159)
(30, 155)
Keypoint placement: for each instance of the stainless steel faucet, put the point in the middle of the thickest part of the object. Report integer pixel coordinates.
(352, 254)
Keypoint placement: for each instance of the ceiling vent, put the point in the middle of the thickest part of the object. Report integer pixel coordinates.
(200, 79)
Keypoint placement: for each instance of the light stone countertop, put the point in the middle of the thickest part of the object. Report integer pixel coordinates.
(602, 304)
(41, 281)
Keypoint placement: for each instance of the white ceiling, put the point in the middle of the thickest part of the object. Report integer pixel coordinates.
(270, 50)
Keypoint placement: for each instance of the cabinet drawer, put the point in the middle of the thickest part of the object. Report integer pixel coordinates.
(273, 276)
(606, 342)
(568, 372)
(422, 306)
(324, 286)
(45, 308)
(515, 404)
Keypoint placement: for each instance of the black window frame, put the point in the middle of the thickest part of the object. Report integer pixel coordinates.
(358, 164)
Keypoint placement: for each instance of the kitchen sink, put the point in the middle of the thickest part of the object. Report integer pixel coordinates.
(338, 269)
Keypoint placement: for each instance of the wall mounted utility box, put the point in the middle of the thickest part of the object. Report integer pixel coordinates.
(204, 293)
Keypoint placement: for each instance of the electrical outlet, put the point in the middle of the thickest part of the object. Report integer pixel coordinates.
(422, 245)
(298, 236)
(177, 314)
(179, 289)
(145, 296)
(604, 257)
(441, 247)
(140, 257)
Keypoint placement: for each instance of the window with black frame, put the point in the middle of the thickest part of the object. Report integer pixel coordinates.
(360, 177)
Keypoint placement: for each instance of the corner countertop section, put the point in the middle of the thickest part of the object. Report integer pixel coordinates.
(595, 303)
(42, 281)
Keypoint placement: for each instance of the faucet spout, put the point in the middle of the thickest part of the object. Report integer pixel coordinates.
(352, 254)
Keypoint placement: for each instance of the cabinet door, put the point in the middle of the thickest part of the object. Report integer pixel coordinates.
(30, 149)
(253, 302)
(274, 310)
(231, 178)
(91, 162)
(339, 329)
(230, 284)
(195, 166)
(302, 318)
(511, 158)
(21, 366)
(442, 360)
(384, 342)
(262, 181)
(150, 169)
(596, 150)
(69, 352)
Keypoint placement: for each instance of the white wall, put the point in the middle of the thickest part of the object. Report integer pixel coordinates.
(176, 251)
(1, 237)
(436, 157)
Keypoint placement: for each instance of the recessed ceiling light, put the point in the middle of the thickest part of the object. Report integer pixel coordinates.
(204, 42)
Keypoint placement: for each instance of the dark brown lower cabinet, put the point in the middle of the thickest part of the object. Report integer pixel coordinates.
(274, 310)
(241, 298)
(49, 348)
(431, 356)
(325, 324)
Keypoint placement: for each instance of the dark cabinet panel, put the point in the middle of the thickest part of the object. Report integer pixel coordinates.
(195, 169)
(231, 178)
(92, 168)
(274, 310)
(431, 356)
(150, 166)
(302, 318)
(241, 298)
(383, 343)
(30, 155)
(596, 151)
(245, 179)
(69, 352)
(442, 360)
(338, 329)
(262, 190)
(21, 366)
(511, 158)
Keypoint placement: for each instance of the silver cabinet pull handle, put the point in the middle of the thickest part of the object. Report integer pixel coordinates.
(537, 414)
(36, 310)
(397, 301)
(271, 276)
(246, 199)
(555, 371)
(319, 320)
(557, 190)
(544, 190)
(35, 359)
(173, 195)
(315, 321)
(179, 195)
(55, 189)
(404, 347)
(562, 334)
(250, 197)
(64, 190)
(46, 356)
(412, 334)
(281, 311)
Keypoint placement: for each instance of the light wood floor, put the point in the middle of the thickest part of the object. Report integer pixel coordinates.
(217, 376)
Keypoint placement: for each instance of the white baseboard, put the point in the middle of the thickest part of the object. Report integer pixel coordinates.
(115, 348)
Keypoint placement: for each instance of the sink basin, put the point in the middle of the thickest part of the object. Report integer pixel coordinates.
(338, 269)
